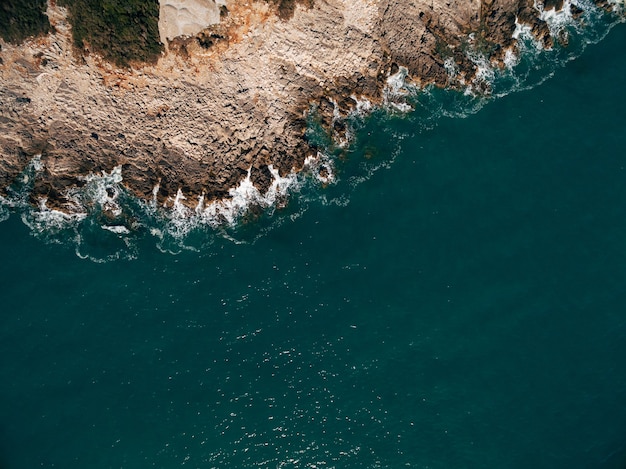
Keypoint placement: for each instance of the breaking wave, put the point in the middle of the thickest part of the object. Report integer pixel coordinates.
(108, 223)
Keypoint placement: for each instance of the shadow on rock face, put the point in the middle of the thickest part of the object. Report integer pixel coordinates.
(286, 8)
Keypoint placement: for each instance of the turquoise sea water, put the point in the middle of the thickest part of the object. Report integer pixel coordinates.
(464, 306)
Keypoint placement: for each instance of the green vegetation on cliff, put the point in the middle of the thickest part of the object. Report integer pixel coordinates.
(121, 31)
(20, 19)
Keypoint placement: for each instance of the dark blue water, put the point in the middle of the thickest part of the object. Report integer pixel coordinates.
(465, 306)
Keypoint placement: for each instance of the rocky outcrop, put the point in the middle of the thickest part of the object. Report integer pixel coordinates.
(236, 97)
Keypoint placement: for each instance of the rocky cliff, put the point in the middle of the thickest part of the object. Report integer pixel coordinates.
(233, 98)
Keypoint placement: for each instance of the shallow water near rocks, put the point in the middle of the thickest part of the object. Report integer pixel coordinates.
(458, 302)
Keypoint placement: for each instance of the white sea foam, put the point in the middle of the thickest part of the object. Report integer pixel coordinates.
(99, 194)
(618, 7)
(124, 248)
(397, 90)
(396, 82)
(484, 76)
(336, 112)
(361, 110)
(511, 59)
(280, 185)
(321, 167)
(4, 209)
(155, 192)
(181, 219)
(40, 219)
(401, 107)
(559, 21)
(451, 68)
(50, 221)
(484, 70)
(117, 229)
(36, 163)
(230, 209)
(101, 190)
(34, 166)
(363, 106)
(81, 218)
(524, 31)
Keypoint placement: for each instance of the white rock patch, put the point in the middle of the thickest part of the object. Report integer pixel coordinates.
(187, 17)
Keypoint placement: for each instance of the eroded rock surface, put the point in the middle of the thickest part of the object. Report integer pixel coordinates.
(234, 97)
